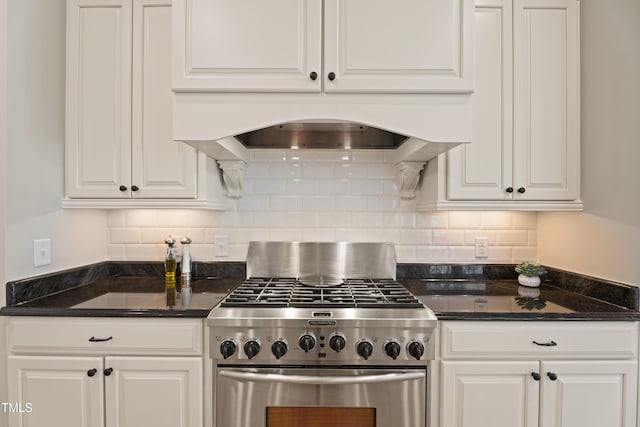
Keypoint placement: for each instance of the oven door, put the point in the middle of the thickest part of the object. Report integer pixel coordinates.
(298, 396)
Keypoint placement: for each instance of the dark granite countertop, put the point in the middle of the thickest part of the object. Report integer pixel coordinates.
(125, 297)
(506, 300)
(126, 289)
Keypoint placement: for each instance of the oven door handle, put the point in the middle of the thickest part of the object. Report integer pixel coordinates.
(323, 380)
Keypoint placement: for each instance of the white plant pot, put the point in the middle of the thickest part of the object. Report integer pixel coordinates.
(530, 281)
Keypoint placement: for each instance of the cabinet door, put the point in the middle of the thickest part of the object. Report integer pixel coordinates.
(589, 394)
(496, 394)
(483, 170)
(154, 391)
(162, 168)
(247, 45)
(546, 97)
(55, 391)
(98, 120)
(409, 46)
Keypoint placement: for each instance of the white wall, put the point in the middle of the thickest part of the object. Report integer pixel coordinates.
(325, 196)
(604, 240)
(35, 147)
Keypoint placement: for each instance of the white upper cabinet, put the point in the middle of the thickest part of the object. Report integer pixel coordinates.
(359, 46)
(525, 149)
(119, 146)
(98, 119)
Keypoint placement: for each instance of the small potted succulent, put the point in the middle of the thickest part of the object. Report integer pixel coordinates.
(530, 273)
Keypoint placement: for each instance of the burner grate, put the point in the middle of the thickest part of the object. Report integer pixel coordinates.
(288, 292)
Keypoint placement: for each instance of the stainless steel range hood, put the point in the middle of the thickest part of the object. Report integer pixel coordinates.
(315, 135)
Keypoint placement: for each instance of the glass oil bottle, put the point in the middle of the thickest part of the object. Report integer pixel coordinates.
(170, 265)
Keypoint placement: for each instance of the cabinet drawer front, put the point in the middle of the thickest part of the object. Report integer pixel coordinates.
(593, 340)
(45, 335)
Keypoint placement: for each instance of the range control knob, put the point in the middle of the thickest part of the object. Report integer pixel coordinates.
(251, 348)
(392, 349)
(307, 342)
(279, 348)
(337, 342)
(228, 348)
(415, 349)
(364, 348)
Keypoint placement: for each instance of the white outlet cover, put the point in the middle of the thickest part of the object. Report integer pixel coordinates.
(221, 244)
(482, 247)
(41, 252)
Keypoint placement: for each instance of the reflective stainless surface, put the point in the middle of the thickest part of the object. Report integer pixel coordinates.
(338, 135)
(321, 263)
(242, 395)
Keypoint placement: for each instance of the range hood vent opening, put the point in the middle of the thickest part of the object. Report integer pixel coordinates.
(312, 135)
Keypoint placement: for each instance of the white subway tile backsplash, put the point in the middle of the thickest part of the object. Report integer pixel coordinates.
(512, 238)
(350, 203)
(367, 187)
(448, 237)
(334, 186)
(286, 203)
(335, 219)
(350, 170)
(269, 186)
(125, 235)
(285, 170)
(317, 203)
(464, 220)
(317, 170)
(496, 220)
(328, 195)
(302, 186)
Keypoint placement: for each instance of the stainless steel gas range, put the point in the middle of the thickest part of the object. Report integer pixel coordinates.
(321, 334)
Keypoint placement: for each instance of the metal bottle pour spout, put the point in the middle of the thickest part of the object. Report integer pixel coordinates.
(185, 276)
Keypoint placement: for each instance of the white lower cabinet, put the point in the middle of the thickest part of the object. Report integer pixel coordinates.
(514, 382)
(110, 390)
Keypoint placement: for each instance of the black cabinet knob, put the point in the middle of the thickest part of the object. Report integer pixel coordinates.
(134, 188)
(123, 188)
(536, 376)
(92, 372)
(332, 76)
(521, 190)
(313, 75)
(108, 371)
(509, 189)
(552, 376)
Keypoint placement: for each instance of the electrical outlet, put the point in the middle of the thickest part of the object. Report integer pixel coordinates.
(41, 252)
(482, 247)
(221, 244)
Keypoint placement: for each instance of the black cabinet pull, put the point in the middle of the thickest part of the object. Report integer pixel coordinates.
(332, 76)
(546, 344)
(123, 188)
(108, 372)
(134, 188)
(521, 190)
(313, 75)
(509, 189)
(536, 376)
(552, 376)
(94, 339)
(92, 372)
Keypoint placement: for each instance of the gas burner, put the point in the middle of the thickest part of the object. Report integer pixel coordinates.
(289, 292)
